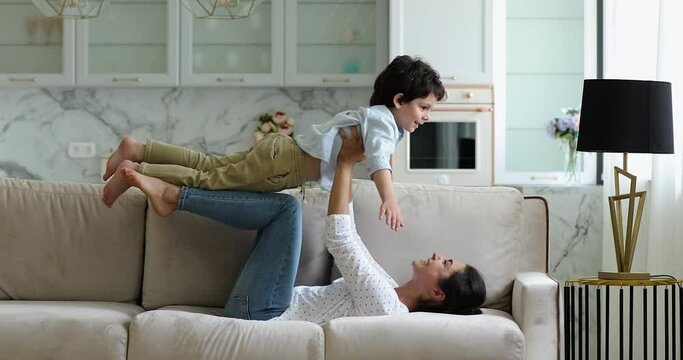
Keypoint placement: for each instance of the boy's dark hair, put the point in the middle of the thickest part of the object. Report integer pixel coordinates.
(464, 292)
(413, 78)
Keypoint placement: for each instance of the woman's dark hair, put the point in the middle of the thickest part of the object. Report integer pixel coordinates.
(413, 78)
(465, 291)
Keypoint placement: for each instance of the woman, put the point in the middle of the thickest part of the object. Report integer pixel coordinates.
(265, 288)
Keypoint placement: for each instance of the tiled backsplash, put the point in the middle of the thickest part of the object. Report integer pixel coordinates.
(36, 125)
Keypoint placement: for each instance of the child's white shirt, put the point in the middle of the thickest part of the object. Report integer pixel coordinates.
(364, 289)
(380, 136)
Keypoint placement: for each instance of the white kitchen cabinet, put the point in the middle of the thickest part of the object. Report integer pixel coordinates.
(131, 43)
(35, 51)
(335, 43)
(454, 36)
(244, 52)
(137, 43)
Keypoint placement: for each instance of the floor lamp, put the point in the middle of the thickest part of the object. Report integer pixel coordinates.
(626, 116)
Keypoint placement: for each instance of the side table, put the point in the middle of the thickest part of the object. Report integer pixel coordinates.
(664, 318)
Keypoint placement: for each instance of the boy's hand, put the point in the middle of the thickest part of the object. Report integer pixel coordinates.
(391, 212)
(352, 149)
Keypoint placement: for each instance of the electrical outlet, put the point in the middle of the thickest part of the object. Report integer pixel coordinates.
(81, 150)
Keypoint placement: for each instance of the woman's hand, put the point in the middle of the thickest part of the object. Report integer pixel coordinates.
(352, 150)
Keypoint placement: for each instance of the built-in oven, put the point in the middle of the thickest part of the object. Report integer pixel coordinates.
(455, 147)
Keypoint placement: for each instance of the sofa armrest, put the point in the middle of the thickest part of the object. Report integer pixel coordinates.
(535, 308)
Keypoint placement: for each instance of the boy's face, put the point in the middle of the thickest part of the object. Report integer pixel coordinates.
(409, 116)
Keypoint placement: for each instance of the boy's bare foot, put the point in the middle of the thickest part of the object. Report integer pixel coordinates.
(162, 195)
(129, 149)
(117, 185)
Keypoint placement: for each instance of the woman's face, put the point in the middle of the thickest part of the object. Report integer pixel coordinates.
(431, 270)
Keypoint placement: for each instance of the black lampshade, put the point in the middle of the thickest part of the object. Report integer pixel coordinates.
(631, 116)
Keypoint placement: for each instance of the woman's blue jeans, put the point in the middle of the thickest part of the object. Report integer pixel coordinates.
(266, 282)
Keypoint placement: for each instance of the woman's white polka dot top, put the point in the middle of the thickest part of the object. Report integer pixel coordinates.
(364, 289)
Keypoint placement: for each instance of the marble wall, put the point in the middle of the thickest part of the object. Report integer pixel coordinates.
(575, 227)
(36, 125)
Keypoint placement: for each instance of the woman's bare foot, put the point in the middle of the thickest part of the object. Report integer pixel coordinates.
(129, 149)
(117, 184)
(162, 195)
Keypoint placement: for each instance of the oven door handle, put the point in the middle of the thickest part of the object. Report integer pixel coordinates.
(463, 109)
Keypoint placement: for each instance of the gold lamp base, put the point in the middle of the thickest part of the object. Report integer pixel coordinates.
(625, 241)
(606, 275)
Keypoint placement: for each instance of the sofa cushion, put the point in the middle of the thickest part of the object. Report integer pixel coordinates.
(479, 225)
(64, 329)
(193, 260)
(493, 335)
(171, 334)
(58, 241)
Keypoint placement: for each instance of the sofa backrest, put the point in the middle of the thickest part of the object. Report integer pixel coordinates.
(482, 226)
(534, 251)
(59, 242)
(192, 260)
(195, 261)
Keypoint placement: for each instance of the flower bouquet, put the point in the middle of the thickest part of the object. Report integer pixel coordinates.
(565, 129)
(278, 123)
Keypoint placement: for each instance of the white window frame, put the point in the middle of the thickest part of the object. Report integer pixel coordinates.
(502, 176)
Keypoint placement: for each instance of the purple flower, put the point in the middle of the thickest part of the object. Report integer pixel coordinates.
(565, 126)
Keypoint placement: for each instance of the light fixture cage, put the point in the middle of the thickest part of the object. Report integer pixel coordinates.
(70, 9)
(222, 9)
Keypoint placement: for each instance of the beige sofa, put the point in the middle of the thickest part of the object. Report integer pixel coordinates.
(81, 281)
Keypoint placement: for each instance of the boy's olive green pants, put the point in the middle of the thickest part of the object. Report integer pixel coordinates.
(275, 163)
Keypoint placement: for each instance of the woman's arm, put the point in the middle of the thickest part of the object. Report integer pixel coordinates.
(351, 152)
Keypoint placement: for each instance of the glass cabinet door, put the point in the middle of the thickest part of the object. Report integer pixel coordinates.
(243, 52)
(131, 43)
(335, 43)
(541, 78)
(34, 50)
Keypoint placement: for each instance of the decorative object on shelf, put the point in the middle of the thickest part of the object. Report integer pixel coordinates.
(269, 123)
(31, 23)
(351, 66)
(565, 129)
(349, 35)
(70, 9)
(221, 9)
(626, 116)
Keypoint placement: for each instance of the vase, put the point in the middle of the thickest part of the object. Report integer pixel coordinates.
(571, 169)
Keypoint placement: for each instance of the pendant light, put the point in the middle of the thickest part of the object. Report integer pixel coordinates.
(70, 9)
(221, 9)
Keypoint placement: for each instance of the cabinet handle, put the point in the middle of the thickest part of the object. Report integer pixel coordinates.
(222, 79)
(31, 79)
(450, 77)
(469, 95)
(336, 80)
(543, 178)
(477, 109)
(135, 79)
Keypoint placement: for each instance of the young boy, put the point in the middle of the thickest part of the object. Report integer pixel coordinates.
(403, 96)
